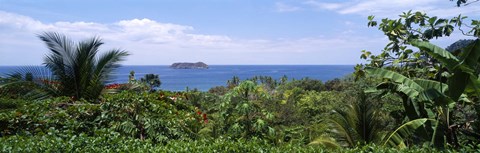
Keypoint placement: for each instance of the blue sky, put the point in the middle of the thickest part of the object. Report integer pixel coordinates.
(213, 31)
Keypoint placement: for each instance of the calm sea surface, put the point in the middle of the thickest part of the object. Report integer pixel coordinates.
(216, 75)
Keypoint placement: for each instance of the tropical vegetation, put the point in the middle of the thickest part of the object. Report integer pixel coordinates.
(412, 97)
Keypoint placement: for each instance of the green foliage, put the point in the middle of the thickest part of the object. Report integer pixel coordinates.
(397, 137)
(431, 80)
(76, 66)
(147, 116)
(27, 83)
(142, 116)
(38, 116)
(247, 118)
(218, 90)
(77, 69)
(437, 98)
(268, 82)
(241, 113)
(412, 95)
(106, 141)
(438, 90)
(326, 142)
(358, 124)
(336, 85)
(397, 54)
(316, 106)
(11, 104)
(306, 84)
(235, 81)
(153, 80)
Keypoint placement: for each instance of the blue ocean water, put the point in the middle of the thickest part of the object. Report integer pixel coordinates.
(217, 75)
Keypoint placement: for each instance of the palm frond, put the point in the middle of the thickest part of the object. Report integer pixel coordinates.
(77, 67)
(325, 142)
(107, 62)
(342, 131)
(359, 123)
(30, 82)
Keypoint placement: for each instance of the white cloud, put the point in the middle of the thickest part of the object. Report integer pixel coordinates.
(455, 11)
(322, 5)
(282, 7)
(149, 31)
(392, 8)
(133, 30)
(152, 42)
(19, 21)
(385, 6)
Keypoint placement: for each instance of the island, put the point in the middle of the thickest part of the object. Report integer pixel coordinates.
(198, 65)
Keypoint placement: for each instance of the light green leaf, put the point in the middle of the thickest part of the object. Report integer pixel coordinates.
(397, 137)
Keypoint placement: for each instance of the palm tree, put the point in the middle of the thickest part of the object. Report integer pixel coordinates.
(77, 67)
(152, 80)
(360, 123)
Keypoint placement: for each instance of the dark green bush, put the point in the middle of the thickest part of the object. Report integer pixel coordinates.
(109, 141)
(137, 115)
(9, 104)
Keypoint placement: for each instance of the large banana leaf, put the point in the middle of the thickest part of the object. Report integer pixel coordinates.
(438, 99)
(440, 54)
(431, 84)
(393, 76)
(410, 92)
(397, 137)
(463, 70)
(473, 87)
(471, 54)
(461, 78)
(404, 85)
(458, 83)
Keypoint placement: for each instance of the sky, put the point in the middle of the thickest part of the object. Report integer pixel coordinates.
(217, 32)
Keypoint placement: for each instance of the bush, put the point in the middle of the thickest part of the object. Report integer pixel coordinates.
(143, 116)
(108, 141)
(10, 104)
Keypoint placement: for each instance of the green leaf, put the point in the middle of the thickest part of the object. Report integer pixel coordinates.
(440, 21)
(397, 137)
(471, 54)
(432, 20)
(427, 84)
(457, 84)
(371, 17)
(442, 55)
(326, 142)
(410, 92)
(393, 76)
(464, 76)
(439, 99)
(405, 86)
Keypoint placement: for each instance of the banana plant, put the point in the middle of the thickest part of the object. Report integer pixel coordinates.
(432, 99)
(397, 137)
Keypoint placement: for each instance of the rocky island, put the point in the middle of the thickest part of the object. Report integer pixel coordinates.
(198, 65)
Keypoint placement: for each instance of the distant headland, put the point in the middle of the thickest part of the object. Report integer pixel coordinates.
(184, 65)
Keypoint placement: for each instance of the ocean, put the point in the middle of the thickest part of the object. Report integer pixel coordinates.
(217, 75)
